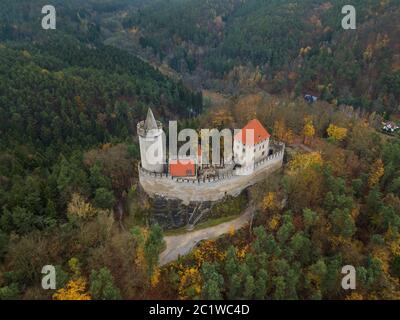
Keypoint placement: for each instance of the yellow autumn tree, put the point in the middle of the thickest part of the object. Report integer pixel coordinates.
(273, 223)
(207, 251)
(303, 161)
(231, 231)
(377, 172)
(144, 256)
(241, 253)
(395, 247)
(383, 255)
(336, 133)
(269, 201)
(308, 131)
(155, 277)
(190, 283)
(74, 290)
(305, 51)
(79, 208)
(140, 235)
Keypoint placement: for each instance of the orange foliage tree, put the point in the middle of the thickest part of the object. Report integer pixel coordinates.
(74, 290)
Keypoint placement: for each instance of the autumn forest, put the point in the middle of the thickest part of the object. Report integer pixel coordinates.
(70, 100)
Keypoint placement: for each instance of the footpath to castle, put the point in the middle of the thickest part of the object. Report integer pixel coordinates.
(181, 245)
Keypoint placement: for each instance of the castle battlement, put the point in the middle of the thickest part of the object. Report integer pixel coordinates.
(215, 188)
(224, 176)
(142, 130)
(191, 180)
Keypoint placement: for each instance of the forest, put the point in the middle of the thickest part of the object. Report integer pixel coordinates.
(280, 46)
(69, 104)
(69, 109)
(335, 205)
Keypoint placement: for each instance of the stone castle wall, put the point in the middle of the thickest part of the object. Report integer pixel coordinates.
(210, 189)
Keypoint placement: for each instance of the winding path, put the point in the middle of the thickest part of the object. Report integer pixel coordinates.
(180, 245)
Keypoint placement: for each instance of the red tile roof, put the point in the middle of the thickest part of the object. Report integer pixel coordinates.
(260, 133)
(182, 168)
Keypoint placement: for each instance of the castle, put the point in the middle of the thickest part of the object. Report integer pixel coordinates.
(187, 178)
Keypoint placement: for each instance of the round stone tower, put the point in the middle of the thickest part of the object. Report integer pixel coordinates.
(152, 144)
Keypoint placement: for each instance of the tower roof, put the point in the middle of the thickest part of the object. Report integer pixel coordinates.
(260, 133)
(150, 122)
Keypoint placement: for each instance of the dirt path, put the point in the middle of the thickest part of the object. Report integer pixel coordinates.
(177, 246)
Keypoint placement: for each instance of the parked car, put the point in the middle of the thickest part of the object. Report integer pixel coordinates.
(310, 98)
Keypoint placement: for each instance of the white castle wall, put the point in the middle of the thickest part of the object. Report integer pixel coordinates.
(248, 153)
(212, 189)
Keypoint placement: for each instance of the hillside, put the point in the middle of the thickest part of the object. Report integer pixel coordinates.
(231, 46)
(70, 101)
(279, 46)
(68, 112)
